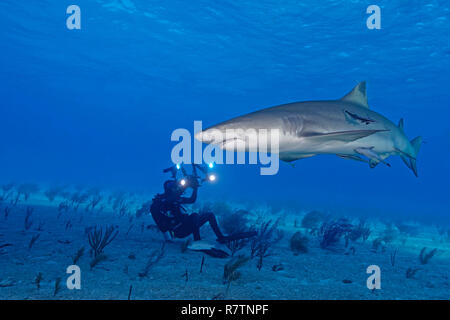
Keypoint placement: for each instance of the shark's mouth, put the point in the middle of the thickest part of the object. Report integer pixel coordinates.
(217, 138)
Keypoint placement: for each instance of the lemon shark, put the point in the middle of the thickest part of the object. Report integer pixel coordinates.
(346, 127)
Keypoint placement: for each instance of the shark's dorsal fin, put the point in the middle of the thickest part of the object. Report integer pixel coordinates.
(357, 95)
(400, 124)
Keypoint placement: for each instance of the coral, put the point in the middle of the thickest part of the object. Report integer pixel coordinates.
(8, 190)
(298, 243)
(78, 198)
(390, 234)
(7, 211)
(424, 257)
(219, 296)
(57, 286)
(230, 270)
(78, 255)
(63, 207)
(129, 292)
(236, 245)
(331, 232)
(120, 204)
(144, 209)
(155, 256)
(99, 240)
(26, 190)
(33, 240)
(97, 259)
(263, 241)
(41, 225)
(393, 256)
(351, 251)
(409, 229)
(202, 264)
(361, 231)
(234, 222)
(38, 280)
(185, 275)
(28, 222)
(94, 199)
(378, 243)
(68, 224)
(129, 229)
(53, 192)
(313, 219)
(411, 272)
(277, 267)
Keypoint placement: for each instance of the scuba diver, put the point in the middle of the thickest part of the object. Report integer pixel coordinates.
(169, 214)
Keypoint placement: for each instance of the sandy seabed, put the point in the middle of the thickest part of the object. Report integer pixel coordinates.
(317, 274)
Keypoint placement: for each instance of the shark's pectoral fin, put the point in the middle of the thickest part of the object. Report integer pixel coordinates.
(351, 157)
(286, 157)
(344, 136)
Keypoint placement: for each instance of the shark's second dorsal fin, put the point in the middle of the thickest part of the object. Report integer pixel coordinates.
(357, 95)
(400, 124)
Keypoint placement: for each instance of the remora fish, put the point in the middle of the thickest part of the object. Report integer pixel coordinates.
(345, 127)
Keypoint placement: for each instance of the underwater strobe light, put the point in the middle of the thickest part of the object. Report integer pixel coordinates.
(185, 180)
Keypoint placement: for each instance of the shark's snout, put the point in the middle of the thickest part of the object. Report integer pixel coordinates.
(204, 136)
(209, 136)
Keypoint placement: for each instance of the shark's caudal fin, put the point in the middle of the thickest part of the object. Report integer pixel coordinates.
(411, 161)
(357, 95)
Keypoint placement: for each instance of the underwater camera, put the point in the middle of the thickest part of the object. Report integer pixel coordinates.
(194, 178)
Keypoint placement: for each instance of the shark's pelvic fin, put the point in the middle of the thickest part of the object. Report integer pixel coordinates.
(345, 136)
(357, 95)
(374, 157)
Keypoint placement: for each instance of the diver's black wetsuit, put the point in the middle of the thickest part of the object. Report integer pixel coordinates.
(169, 214)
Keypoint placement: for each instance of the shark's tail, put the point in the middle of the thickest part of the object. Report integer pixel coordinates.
(410, 160)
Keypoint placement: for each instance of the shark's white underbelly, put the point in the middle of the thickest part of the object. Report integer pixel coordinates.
(381, 143)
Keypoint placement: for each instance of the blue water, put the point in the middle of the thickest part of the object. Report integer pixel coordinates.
(97, 106)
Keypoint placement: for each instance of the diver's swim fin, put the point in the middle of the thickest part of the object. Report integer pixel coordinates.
(215, 250)
(237, 236)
